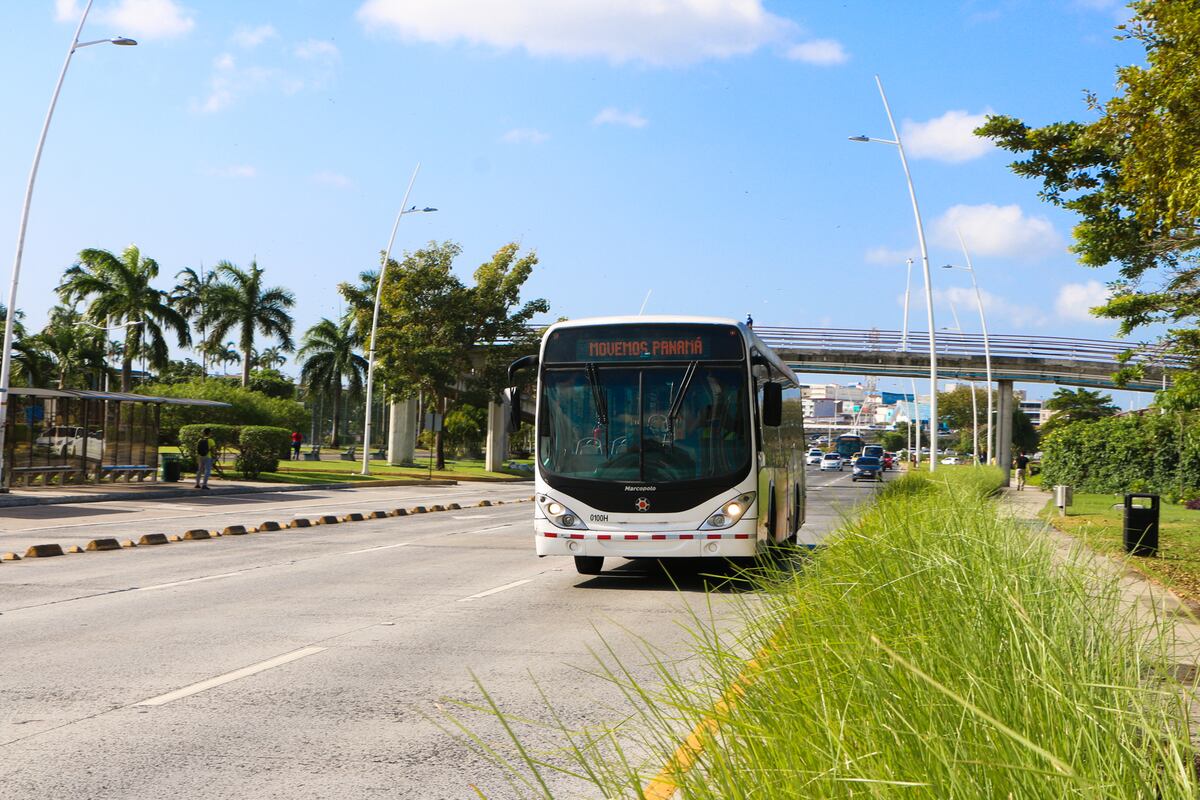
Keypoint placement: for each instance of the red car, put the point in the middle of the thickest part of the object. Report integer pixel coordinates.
(889, 460)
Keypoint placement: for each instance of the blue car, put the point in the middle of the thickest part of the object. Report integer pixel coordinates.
(867, 468)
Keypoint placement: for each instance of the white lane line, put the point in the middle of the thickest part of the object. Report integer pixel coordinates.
(228, 677)
(492, 528)
(158, 586)
(373, 549)
(478, 516)
(503, 588)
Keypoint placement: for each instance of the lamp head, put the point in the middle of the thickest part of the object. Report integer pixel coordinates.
(859, 138)
(123, 41)
(427, 209)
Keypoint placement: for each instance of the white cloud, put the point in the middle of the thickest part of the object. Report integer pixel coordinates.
(1001, 313)
(316, 49)
(948, 138)
(615, 116)
(1074, 300)
(233, 171)
(660, 32)
(156, 19)
(991, 230)
(821, 52)
(524, 136)
(253, 37)
(334, 179)
(888, 256)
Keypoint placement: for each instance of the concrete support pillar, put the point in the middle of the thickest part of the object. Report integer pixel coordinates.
(402, 432)
(1004, 432)
(497, 435)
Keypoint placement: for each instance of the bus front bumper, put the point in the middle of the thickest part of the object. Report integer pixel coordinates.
(686, 544)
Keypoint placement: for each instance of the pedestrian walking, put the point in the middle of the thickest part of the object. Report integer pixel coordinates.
(1022, 461)
(206, 451)
(297, 440)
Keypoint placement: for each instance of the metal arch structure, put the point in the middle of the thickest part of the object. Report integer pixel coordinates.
(1026, 359)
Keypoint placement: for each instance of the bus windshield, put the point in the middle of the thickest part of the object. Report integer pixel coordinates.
(646, 424)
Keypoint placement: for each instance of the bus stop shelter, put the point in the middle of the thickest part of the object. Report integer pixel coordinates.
(59, 437)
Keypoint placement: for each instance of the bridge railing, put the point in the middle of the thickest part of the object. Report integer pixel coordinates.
(952, 343)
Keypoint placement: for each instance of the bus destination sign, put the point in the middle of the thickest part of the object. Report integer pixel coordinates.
(644, 343)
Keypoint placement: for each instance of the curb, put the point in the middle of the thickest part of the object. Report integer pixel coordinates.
(150, 539)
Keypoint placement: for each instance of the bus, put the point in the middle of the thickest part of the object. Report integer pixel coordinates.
(849, 444)
(660, 437)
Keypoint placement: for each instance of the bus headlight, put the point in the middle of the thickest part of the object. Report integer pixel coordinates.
(559, 515)
(729, 513)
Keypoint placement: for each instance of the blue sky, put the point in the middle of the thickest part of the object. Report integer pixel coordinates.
(697, 152)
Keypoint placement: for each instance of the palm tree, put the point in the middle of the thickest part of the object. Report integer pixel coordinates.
(118, 291)
(80, 349)
(189, 297)
(241, 302)
(327, 358)
(223, 354)
(270, 358)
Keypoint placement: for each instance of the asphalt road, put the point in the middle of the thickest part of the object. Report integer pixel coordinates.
(321, 662)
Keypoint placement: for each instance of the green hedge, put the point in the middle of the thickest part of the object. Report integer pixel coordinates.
(1142, 453)
(224, 435)
(246, 407)
(259, 449)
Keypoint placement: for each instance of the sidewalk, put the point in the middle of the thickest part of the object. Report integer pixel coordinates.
(1151, 603)
(163, 491)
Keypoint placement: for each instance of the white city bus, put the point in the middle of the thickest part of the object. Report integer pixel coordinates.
(661, 436)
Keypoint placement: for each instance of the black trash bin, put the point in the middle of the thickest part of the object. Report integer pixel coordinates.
(1141, 525)
(171, 467)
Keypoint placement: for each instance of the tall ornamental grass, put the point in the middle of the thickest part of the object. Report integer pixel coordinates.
(932, 650)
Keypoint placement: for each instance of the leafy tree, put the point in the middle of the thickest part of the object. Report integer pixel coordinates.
(273, 383)
(893, 440)
(180, 371)
(118, 290)
(239, 302)
(1133, 176)
(328, 359)
(1024, 434)
(246, 407)
(1075, 406)
(436, 334)
(189, 297)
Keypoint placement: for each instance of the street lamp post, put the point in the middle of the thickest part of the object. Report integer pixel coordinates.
(6, 355)
(912, 194)
(987, 348)
(387, 254)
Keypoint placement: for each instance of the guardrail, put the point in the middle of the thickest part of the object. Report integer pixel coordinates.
(966, 344)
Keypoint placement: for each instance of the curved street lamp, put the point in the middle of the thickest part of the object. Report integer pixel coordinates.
(387, 255)
(987, 349)
(933, 416)
(6, 355)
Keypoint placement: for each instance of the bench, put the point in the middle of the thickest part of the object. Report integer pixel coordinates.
(311, 455)
(379, 454)
(28, 476)
(348, 454)
(128, 472)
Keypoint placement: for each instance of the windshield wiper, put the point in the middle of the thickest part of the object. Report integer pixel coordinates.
(593, 376)
(677, 404)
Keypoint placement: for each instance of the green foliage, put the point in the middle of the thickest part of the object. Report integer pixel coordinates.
(1145, 452)
(1133, 175)
(180, 371)
(260, 448)
(247, 407)
(224, 435)
(1024, 435)
(272, 383)
(465, 427)
(893, 440)
(1076, 406)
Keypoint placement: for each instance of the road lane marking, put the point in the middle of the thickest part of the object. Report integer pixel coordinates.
(478, 516)
(158, 586)
(228, 677)
(503, 588)
(373, 549)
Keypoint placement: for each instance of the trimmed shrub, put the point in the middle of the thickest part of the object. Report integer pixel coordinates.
(246, 407)
(259, 449)
(225, 436)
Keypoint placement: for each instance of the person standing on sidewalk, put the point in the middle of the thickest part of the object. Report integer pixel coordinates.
(206, 450)
(297, 440)
(1022, 462)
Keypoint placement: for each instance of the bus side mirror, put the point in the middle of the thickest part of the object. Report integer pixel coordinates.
(772, 405)
(513, 396)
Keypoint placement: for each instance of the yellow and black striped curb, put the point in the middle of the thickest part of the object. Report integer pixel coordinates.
(199, 534)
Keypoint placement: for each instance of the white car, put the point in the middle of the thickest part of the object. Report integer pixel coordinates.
(814, 457)
(951, 460)
(831, 462)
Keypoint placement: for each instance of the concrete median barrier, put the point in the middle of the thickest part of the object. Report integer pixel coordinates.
(196, 535)
(353, 517)
(44, 551)
(270, 525)
(153, 539)
(300, 522)
(483, 504)
(9, 557)
(328, 519)
(96, 545)
(235, 530)
(398, 512)
(454, 507)
(377, 515)
(417, 510)
(434, 508)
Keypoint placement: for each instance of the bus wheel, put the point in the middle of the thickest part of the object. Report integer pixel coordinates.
(589, 565)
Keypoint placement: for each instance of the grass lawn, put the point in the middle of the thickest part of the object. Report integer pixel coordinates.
(347, 472)
(1093, 520)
